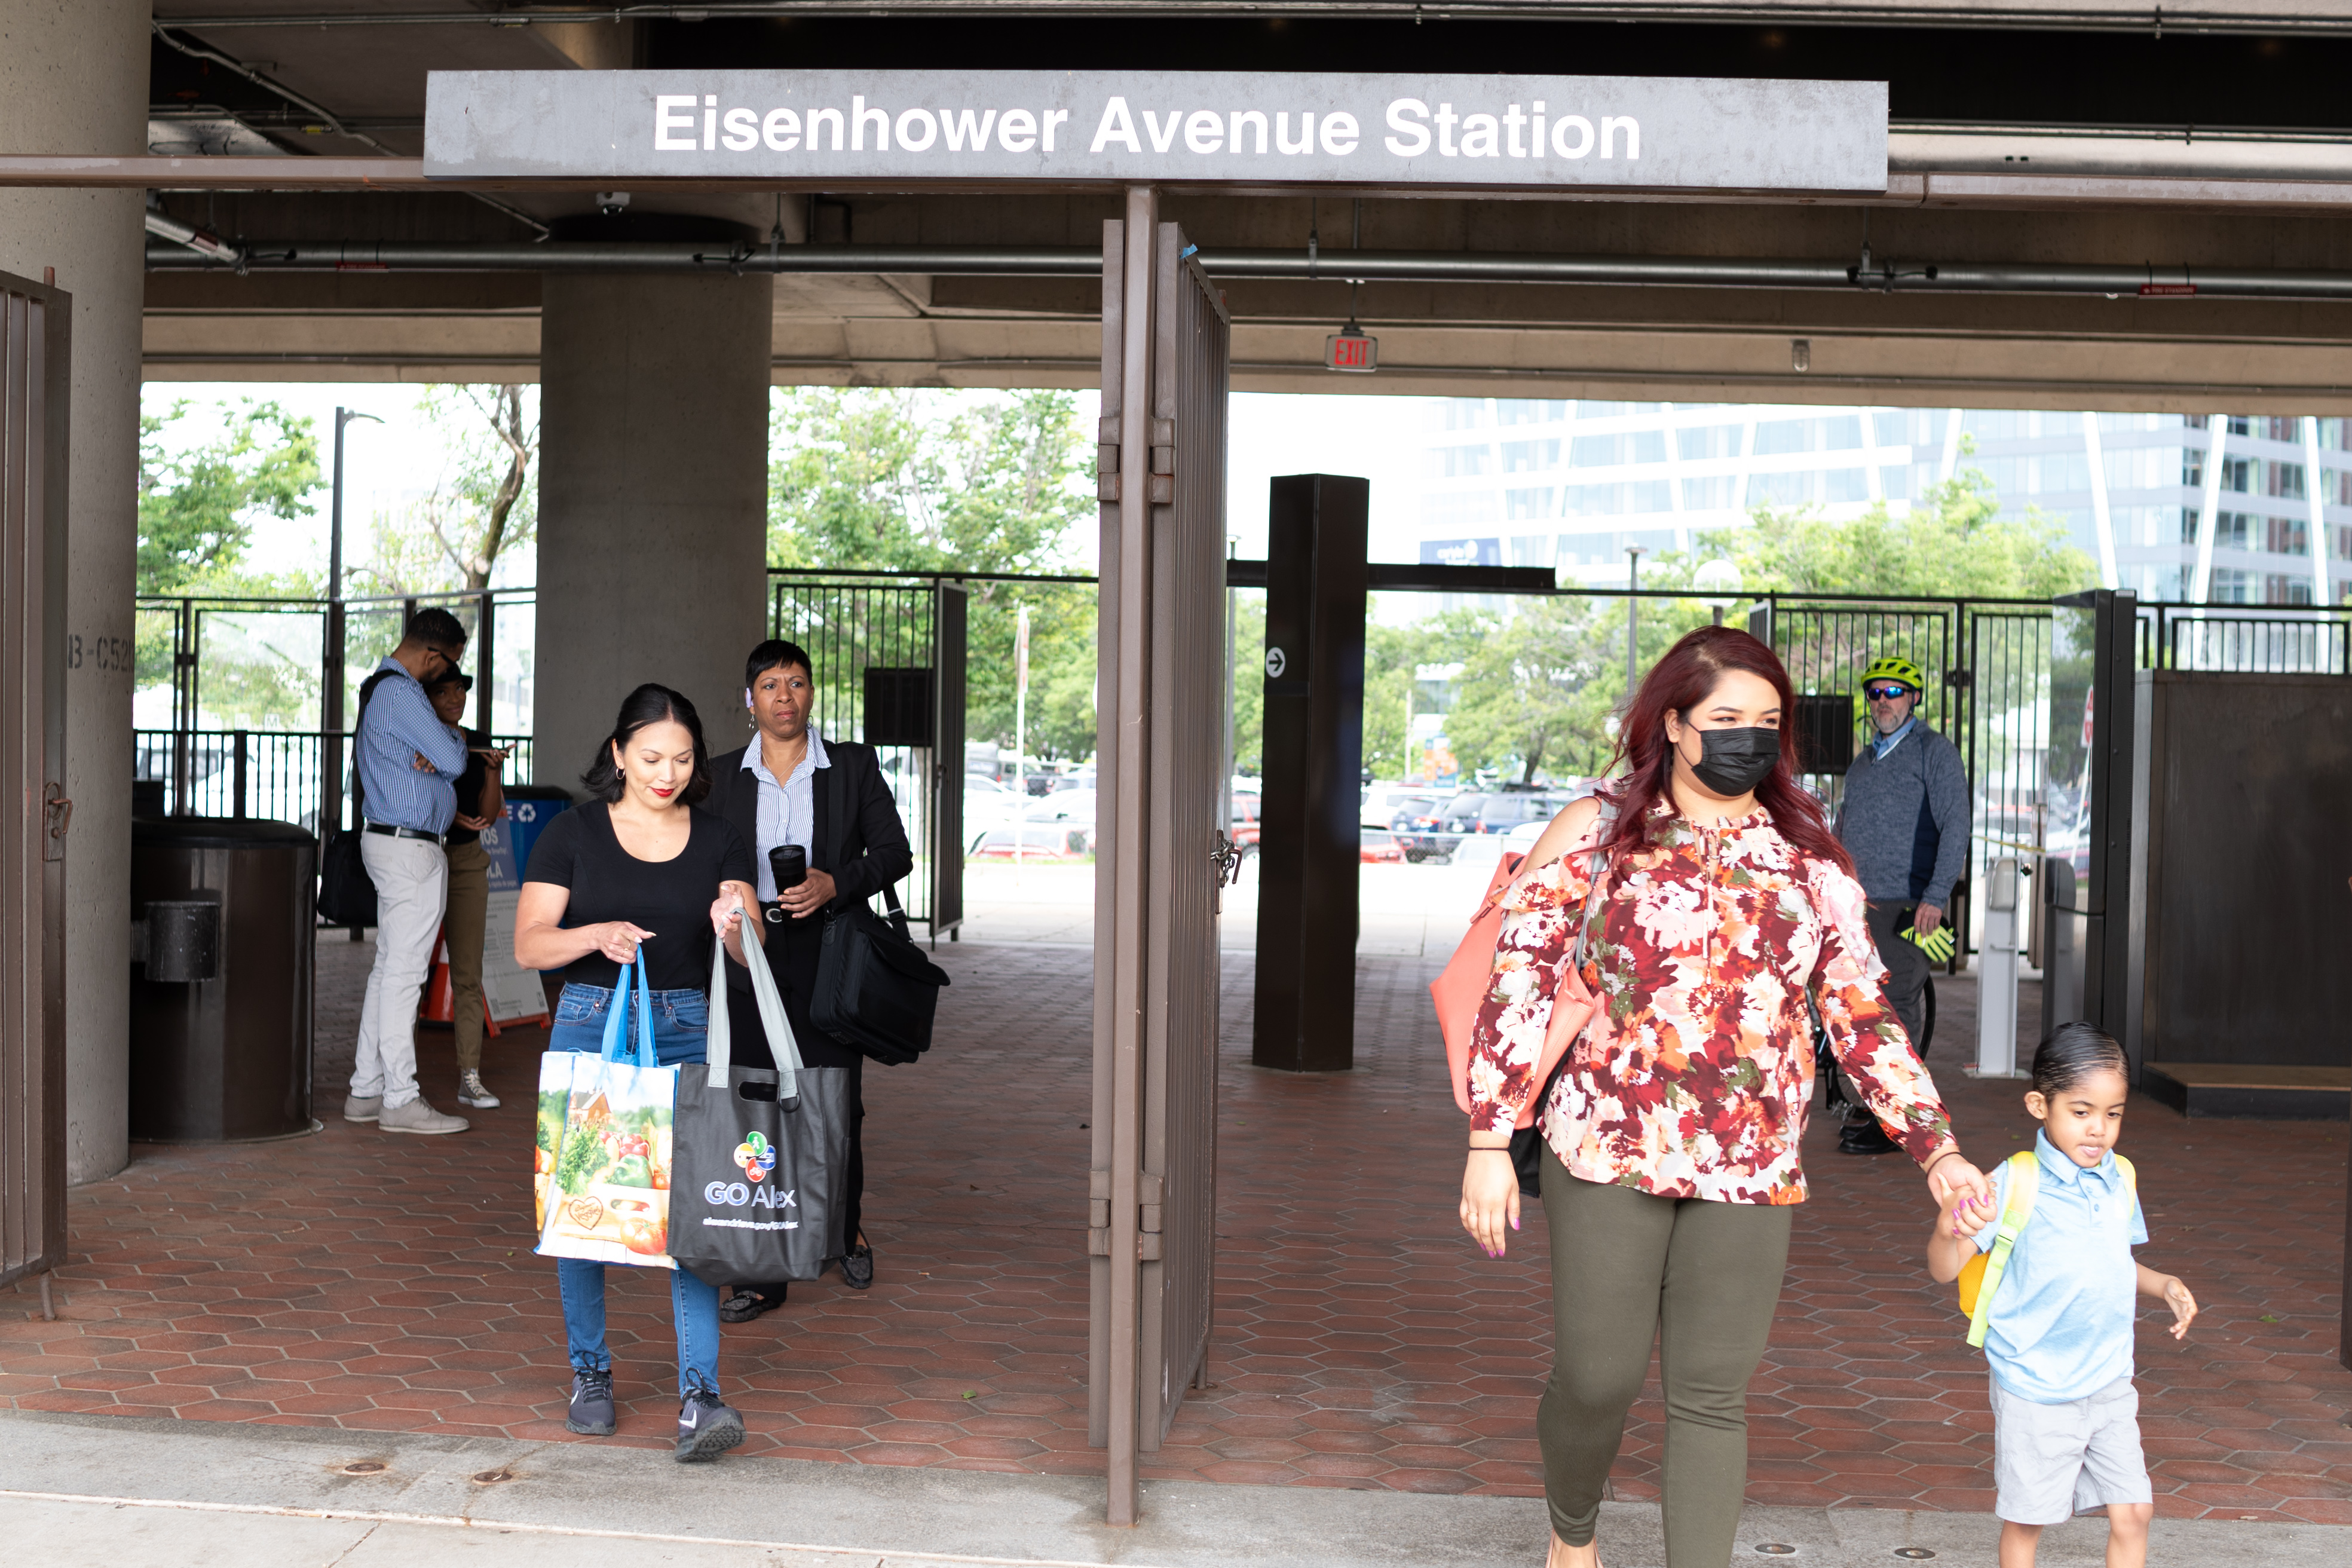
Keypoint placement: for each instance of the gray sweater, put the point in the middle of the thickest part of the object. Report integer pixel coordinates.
(1905, 818)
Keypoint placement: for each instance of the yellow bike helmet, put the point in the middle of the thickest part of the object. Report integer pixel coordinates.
(1901, 669)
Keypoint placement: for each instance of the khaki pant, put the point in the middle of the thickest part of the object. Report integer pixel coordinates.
(461, 927)
(411, 885)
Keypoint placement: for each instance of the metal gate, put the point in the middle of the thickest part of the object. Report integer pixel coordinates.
(1988, 666)
(1152, 1194)
(35, 355)
(889, 673)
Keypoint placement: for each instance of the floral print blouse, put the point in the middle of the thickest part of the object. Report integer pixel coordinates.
(1705, 948)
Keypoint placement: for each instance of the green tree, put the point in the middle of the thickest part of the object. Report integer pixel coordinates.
(882, 480)
(1249, 680)
(197, 503)
(1953, 542)
(1391, 654)
(199, 498)
(898, 480)
(1543, 678)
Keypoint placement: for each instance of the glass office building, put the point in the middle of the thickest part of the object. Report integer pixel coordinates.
(1571, 485)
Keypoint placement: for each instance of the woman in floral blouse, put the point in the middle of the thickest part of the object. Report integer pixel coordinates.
(1723, 905)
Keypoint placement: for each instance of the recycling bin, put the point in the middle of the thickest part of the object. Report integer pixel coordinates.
(223, 930)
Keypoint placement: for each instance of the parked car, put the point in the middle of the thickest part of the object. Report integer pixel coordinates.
(1384, 803)
(1074, 805)
(1421, 833)
(1244, 828)
(1040, 843)
(1381, 848)
(1500, 812)
(987, 803)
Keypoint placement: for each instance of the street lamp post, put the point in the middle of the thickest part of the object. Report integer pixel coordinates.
(331, 724)
(1634, 553)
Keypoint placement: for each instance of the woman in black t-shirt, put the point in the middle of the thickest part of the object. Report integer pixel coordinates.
(639, 866)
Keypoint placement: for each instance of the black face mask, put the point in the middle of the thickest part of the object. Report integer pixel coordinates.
(1733, 761)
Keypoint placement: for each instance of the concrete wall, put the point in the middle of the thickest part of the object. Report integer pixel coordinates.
(73, 79)
(652, 502)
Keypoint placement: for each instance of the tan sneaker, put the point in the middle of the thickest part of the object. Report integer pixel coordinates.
(418, 1116)
(470, 1092)
(362, 1108)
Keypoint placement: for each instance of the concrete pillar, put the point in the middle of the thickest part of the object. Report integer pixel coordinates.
(652, 502)
(73, 79)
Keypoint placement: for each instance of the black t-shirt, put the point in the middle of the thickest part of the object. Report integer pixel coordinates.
(471, 785)
(669, 898)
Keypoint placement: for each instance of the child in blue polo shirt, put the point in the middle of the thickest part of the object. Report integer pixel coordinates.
(2058, 1328)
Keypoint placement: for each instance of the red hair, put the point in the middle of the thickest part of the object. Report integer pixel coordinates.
(1680, 684)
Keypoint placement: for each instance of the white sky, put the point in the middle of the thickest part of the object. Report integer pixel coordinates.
(1372, 437)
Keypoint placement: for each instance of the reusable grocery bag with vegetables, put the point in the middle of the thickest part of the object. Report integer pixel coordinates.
(603, 1161)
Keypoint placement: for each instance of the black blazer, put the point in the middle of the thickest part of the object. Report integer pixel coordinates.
(863, 853)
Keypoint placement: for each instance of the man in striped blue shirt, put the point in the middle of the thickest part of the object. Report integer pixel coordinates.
(406, 763)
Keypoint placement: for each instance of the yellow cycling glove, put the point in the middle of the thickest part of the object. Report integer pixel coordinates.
(1937, 945)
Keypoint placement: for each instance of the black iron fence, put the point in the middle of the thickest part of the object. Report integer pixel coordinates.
(239, 687)
(233, 701)
(271, 775)
(888, 655)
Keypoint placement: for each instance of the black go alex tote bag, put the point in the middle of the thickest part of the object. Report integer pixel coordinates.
(758, 1157)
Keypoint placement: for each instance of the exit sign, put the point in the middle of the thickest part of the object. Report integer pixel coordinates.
(1351, 350)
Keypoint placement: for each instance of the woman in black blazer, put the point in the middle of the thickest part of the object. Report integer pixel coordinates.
(788, 786)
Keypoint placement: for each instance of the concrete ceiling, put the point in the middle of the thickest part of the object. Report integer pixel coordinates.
(356, 90)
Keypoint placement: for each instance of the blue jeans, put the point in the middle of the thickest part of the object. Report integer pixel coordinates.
(681, 1025)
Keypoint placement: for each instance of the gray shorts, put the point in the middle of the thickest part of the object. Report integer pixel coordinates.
(2053, 1462)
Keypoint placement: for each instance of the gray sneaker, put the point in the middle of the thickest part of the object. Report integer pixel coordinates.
(471, 1092)
(591, 1414)
(418, 1116)
(706, 1427)
(362, 1108)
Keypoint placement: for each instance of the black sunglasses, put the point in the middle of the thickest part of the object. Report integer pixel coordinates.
(1886, 693)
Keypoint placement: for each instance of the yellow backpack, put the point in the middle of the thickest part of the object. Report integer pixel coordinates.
(1980, 1275)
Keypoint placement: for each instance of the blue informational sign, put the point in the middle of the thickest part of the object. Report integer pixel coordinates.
(509, 840)
(1461, 553)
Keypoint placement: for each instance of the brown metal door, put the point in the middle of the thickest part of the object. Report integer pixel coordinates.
(1152, 1219)
(35, 353)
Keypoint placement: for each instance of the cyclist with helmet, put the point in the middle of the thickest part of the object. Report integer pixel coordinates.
(1904, 820)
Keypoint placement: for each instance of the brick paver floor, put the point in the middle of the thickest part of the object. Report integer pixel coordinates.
(369, 1281)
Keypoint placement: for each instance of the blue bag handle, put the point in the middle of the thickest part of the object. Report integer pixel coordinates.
(617, 1031)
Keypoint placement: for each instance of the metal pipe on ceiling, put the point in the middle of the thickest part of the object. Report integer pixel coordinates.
(1369, 266)
(2050, 15)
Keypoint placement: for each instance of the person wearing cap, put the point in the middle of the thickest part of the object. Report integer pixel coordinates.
(1905, 819)
(481, 800)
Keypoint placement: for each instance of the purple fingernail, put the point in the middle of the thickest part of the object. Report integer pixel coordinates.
(1515, 1223)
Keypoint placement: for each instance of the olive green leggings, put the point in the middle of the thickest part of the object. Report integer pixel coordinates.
(1700, 1278)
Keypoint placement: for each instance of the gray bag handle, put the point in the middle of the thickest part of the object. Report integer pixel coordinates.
(782, 1044)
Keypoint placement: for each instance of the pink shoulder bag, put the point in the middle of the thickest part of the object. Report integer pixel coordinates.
(1461, 989)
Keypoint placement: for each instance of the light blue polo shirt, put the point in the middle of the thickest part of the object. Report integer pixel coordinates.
(2060, 1325)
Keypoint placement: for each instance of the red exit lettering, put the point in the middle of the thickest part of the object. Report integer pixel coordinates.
(1352, 351)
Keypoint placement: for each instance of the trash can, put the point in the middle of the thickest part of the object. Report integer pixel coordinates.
(223, 929)
(530, 808)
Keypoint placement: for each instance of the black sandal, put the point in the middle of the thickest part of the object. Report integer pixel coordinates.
(750, 1301)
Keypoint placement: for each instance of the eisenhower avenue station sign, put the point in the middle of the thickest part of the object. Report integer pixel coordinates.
(1113, 127)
